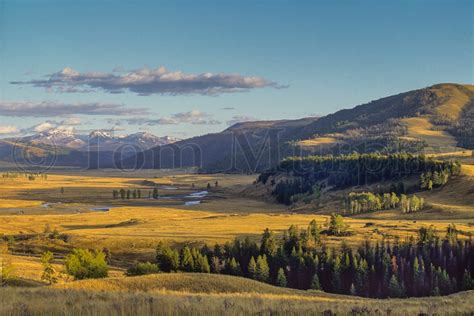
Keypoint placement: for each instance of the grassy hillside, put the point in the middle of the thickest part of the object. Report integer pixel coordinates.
(181, 282)
(432, 118)
(210, 295)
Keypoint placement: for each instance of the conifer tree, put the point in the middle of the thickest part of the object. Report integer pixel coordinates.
(187, 261)
(394, 289)
(352, 290)
(467, 281)
(281, 278)
(315, 230)
(315, 285)
(252, 268)
(336, 277)
(202, 264)
(263, 271)
(268, 244)
(232, 267)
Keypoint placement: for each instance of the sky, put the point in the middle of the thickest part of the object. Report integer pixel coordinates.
(187, 68)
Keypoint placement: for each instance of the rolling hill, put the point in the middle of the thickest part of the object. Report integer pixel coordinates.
(201, 294)
(434, 119)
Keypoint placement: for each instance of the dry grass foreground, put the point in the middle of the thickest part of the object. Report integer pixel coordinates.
(200, 294)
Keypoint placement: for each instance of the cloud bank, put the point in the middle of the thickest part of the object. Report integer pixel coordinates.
(148, 81)
(8, 129)
(192, 117)
(53, 108)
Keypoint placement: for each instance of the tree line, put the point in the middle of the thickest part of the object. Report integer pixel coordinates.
(430, 180)
(355, 169)
(133, 194)
(429, 265)
(361, 202)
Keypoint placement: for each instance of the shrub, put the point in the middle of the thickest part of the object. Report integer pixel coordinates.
(86, 264)
(142, 268)
(49, 273)
(6, 272)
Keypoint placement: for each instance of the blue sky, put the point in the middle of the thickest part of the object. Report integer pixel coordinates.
(262, 60)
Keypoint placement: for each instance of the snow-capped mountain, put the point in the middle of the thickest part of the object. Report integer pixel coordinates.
(99, 140)
(146, 137)
(62, 137)
(101, 134)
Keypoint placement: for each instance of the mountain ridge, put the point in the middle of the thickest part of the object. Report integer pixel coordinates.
(378, 125)
(97, 140)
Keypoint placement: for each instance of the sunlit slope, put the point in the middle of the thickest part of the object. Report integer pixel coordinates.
(452, 99)
(211, 295)
(250, 145)
(438, 141)
(181, 282)
(318, 141)
(448, 102)
(421, 111)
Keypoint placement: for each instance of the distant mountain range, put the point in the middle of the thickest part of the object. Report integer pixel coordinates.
(63, 147)
(99, 140)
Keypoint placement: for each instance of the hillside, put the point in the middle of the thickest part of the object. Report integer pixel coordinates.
(183, 282)
(175, 298)
(434, 119)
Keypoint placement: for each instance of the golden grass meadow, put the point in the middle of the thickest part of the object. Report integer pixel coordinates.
(131, 229)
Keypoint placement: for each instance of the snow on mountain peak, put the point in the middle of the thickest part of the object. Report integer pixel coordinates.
(101, 134)
(97, 140)
(57, 132)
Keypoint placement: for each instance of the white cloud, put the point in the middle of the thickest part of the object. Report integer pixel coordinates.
(8, 129)
(42, 127)
(54, 108)
(66, 125)
(192, 117)
(148, 81)
(71, 121)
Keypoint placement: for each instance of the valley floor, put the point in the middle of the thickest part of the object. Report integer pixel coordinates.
(81, 208)
(74, 206)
